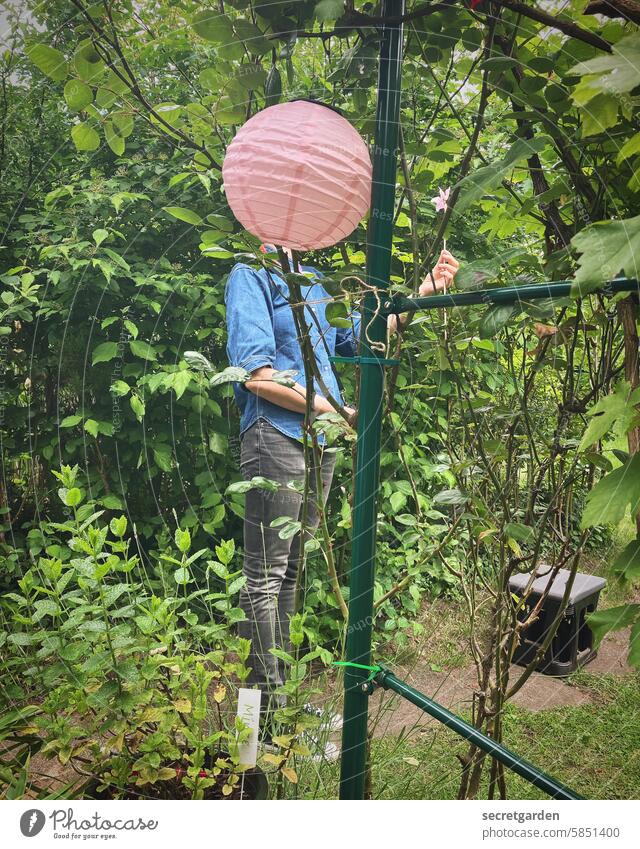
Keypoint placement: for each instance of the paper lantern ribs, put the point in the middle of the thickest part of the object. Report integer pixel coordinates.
(298, 174)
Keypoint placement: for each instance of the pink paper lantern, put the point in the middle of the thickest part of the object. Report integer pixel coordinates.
(299, 175)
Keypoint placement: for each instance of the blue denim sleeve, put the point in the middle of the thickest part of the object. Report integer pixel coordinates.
(347, 338)
(250, 339)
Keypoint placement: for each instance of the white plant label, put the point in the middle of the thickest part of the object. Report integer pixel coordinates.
(249, 713)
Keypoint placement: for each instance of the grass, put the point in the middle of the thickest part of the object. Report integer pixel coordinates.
(444, 644)
(593, 748)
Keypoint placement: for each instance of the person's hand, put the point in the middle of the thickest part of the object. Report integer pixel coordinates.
(442, 276)
(353, 415)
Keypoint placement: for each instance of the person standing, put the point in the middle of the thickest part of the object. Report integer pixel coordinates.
(263, 338)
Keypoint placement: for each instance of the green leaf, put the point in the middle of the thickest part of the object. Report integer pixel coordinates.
(114, 140)
(627, 563)
(495, 318)
(220, 222)
(600, 114)
(450, 496)
(288, 527)
(112, 502)
(213, 27)
(119, 388)
(232, 374)
(49, 60)
(142, 349)
(105, 352)
(616, 409)
(337, 314)
(252, 37)
(499, 63)
(613, 495)
(256, 482)
(183, 214)
(183, 540)
(329, 10)
(105, 98)
(123, 122)
(162, 456)
(251, 77)
(613, 619)
(131, 327)
(397, 501)
(124, 265)
(473, 275)
(616, 73)
(98, 237)
(138, 406)
(606, 248)
(73, 497)
(406, 519)
(118, 526)
(474, 186)
(85, 137)
(91, 426)
(181, 576)
(225, 551)
(70, 421)
(178, 381)
(45, 607)
(198, 362)
(218, 444)
(273, 86)
(629, 148)
(88, 64)
(520, 532)
(78, 95)
(169, 113)
(210, 79)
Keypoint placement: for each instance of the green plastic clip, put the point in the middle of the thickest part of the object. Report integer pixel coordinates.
(373, 670)
(379, 361)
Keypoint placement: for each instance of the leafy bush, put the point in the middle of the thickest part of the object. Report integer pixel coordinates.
(130, 686)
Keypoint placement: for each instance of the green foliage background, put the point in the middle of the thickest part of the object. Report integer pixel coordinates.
(117, 241)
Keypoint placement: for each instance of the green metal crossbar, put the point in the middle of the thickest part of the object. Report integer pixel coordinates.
(386, 679)
(360, 676)
(504, 296)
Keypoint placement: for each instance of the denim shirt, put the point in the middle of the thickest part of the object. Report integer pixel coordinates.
(262, 332)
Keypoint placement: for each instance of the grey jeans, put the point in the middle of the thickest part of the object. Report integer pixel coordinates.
(271, 563)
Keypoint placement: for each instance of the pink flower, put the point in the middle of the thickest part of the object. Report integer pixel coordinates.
(442, 200)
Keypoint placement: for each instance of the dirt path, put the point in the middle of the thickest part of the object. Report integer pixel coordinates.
(454, 689)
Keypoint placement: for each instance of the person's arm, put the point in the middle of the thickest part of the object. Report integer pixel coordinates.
(290, 397)
(437, 280)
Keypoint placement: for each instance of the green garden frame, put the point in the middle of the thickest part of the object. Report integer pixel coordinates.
(360, 677)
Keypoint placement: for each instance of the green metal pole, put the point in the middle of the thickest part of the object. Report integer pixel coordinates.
(504, 295)
(373, 330)
(532, 774)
